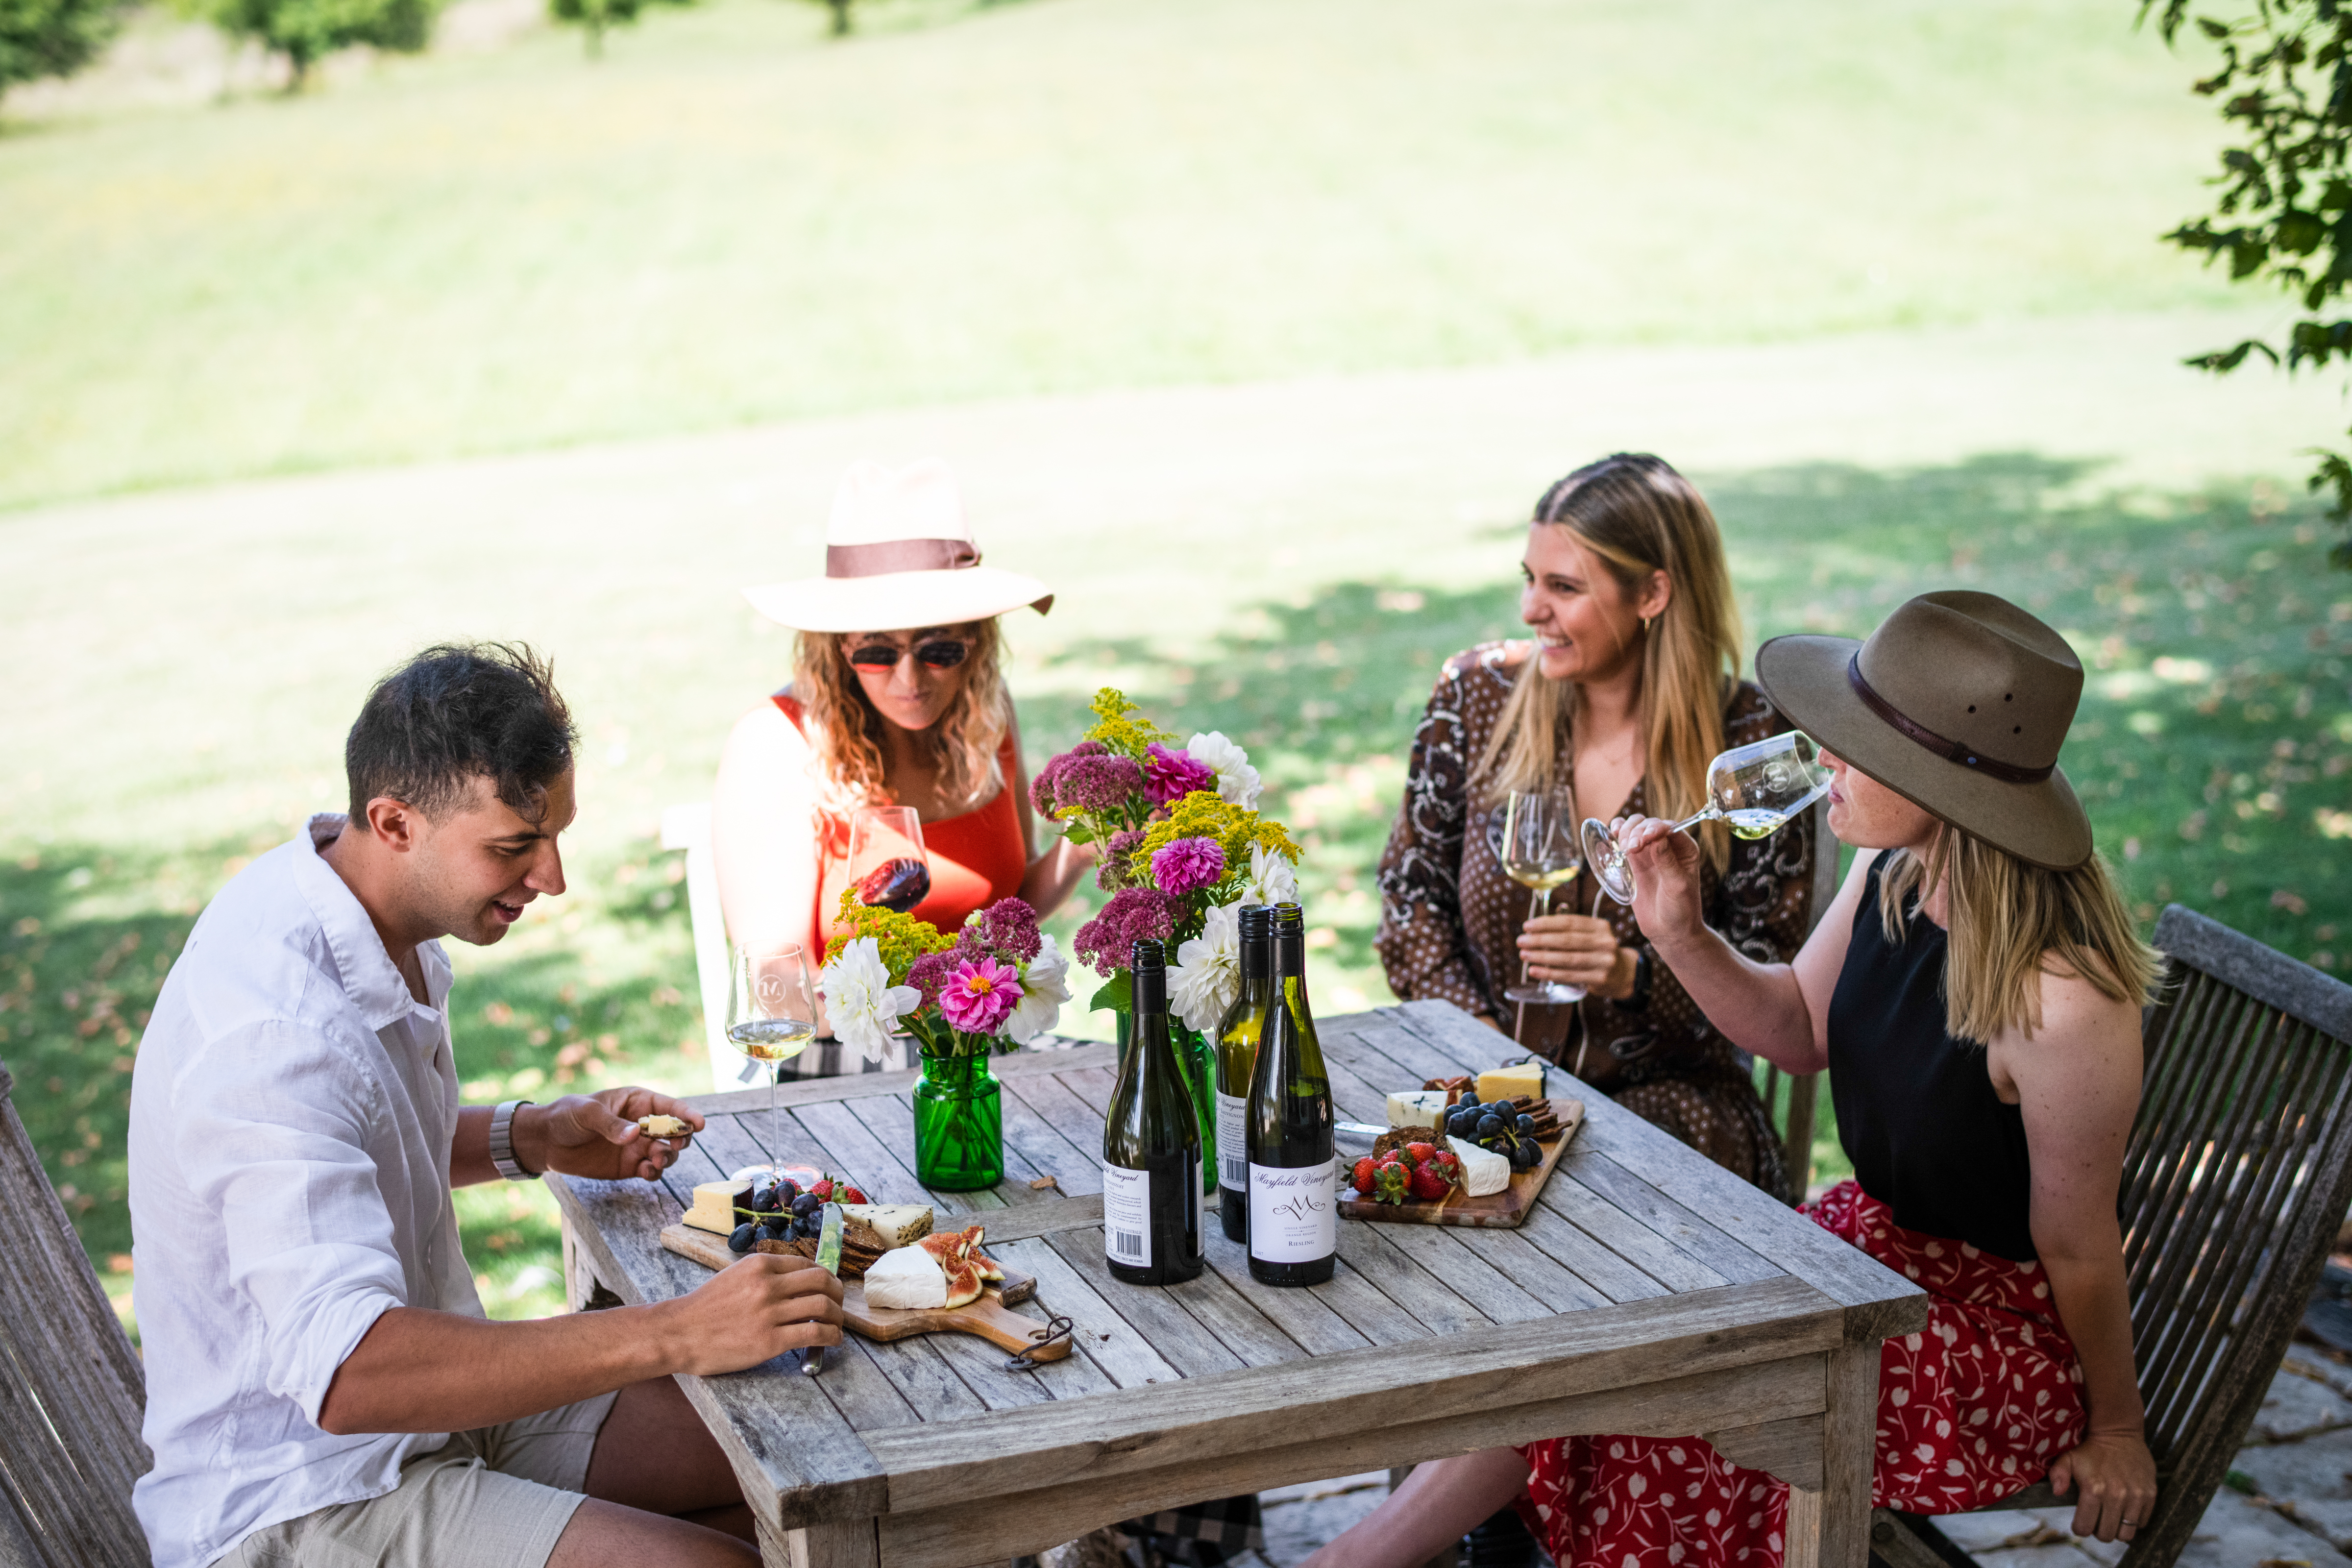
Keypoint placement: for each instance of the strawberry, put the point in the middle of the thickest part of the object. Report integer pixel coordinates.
(823, 1189)
(1362, 1180)
(1421, 1152)
(852, 1196)
(1428, 1185)
(1448, 1164)
(1388, 1182)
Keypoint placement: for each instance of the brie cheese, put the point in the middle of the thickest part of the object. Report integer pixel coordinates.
(715, 1204)
(1417, 1108)
(1510, 1082)
(1483, 1170)
(906, 1277)
(888, 1225)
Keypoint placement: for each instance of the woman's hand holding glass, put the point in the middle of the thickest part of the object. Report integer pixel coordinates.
(1579, 951)
(1663, 866)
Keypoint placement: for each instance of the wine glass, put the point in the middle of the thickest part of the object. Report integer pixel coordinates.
(886, 858)
(1754, 790)
(1531, 840)
(771, 1012)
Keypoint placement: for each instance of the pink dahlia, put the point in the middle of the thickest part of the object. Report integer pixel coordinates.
(980, 995)
(1187, 865)
(1107, 942)
(1172, 775)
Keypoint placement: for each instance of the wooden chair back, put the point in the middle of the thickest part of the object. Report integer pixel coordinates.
(71, 1388)
(1804, 1088)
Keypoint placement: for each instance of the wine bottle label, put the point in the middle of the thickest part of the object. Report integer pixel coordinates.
(1233, 1141)
(1292, 1215)
(1126, 1214)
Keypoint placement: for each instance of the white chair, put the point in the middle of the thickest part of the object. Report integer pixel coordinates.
(688, 827)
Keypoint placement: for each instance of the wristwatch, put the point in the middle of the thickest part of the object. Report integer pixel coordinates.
(1639, 1000)
(502, 1153)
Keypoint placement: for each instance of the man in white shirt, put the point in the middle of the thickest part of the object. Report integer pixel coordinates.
(322, 1384)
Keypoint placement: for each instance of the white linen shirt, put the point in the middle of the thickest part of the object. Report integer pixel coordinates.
(291, 1114)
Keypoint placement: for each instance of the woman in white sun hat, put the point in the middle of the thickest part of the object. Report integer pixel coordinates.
(897, 699)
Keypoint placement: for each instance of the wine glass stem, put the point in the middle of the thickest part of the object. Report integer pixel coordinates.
(1536, 911)
(1689, 822)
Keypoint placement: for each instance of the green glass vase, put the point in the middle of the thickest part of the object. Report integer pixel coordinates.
(959, 1125)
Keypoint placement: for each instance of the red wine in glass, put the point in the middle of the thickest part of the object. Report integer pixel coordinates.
(897, 885)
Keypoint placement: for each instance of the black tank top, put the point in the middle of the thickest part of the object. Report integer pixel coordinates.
(1916, 1108)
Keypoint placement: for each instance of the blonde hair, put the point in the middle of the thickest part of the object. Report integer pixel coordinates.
(844, 730)
(2010, 923)
(1637, 515)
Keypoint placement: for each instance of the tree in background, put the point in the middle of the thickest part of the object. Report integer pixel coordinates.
(51, 38)
(2285, 215)
(841, 20)
(306, 30)
(596, 16)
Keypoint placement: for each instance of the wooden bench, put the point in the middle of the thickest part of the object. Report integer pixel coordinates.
(2238, 1173)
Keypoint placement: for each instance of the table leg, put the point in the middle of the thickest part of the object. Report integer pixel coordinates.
(1831, 1527)
(852, 1544)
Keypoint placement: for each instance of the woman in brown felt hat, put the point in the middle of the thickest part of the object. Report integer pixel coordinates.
(1974, 993)
(897, 699)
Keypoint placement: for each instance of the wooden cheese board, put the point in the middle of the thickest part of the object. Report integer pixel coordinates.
(987, 1317)
(1502, 1209)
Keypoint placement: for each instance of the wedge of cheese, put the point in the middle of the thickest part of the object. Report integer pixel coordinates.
(1417, 1108)
(1483, 1170)
(715, 1204)
(886, 1226)
(661, 1126)
(1505, 1083)
(908, 1278)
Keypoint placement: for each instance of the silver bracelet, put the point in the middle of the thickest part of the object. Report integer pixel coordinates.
(502, 1154)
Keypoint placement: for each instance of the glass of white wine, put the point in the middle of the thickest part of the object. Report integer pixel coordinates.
(771, 1012)
(1532, 841)
(1754, 790)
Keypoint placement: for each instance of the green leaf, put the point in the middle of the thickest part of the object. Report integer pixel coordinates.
(1078, 832)
(1117, 996)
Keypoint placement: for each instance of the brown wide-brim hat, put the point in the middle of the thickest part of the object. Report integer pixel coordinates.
(898, 556)
(1958, 702)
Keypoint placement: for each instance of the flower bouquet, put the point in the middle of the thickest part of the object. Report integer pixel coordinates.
(995, 985)
(1183, 848)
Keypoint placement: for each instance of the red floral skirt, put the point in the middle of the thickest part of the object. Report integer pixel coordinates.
(1971, 1409)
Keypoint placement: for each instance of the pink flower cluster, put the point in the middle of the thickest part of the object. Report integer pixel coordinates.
(1110, 871)
(980, 995)
(1107, 942)
(1172, 775)
(1005, 935)
(1187, 865)
(1088, 777)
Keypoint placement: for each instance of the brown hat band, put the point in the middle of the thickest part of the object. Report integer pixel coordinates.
(1950, 751)
(898, 555)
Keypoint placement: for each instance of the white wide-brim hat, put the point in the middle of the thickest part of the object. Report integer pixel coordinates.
(898, 556)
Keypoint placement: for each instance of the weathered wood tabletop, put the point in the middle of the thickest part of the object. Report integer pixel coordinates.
(1650, 1292)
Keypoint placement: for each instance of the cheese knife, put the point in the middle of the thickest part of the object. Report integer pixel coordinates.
(828, 1257)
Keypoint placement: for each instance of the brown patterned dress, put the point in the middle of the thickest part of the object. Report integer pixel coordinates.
(1450, 923)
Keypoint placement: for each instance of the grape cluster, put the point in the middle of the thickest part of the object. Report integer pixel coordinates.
(1501, 1128)
(780, 1212)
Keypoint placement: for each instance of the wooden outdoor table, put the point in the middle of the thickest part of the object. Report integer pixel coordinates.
(1651, 1292)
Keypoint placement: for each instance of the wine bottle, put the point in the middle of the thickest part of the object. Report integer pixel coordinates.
(1152, 1146)
(1294, 1212)
(1236, 1046)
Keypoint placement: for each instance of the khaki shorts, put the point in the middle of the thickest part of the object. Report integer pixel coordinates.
(497, 1496)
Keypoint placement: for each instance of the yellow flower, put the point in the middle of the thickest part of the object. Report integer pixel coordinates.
(1203, 813)
(902, 939)
(1122, 734)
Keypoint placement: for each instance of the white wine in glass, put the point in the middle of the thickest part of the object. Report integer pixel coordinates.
(1755, 790)
(771, 1012)
(1532, 842)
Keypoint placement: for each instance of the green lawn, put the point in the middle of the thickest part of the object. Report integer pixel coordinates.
(730, 219)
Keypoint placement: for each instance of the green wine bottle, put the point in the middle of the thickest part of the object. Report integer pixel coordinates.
(1236, 1049)
(1152, 1146)
(1293, 1237)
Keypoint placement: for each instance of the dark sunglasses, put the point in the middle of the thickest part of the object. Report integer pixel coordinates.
(941, 653)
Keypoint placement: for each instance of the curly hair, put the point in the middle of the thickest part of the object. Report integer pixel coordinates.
(455, 712)
(846, 731)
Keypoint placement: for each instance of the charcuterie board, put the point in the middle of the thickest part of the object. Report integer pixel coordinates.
(987, 1317)
(1502, 1209)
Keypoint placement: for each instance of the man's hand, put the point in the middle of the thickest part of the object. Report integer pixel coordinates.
(757, 1307)
(597, 1134)
(1664, 866)
(1577, 950)
(2117, 1478)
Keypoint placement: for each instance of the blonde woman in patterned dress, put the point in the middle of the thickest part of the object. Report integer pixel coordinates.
(1628, 687)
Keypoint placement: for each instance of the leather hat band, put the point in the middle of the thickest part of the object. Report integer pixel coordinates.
(1950, 751)
(898, 555)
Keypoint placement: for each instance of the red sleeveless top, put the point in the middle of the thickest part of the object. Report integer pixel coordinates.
(975, 858)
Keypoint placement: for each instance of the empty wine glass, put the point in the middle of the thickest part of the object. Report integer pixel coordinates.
(1754, 790)
(1531, 840)
(771, 1012)
(886, 858)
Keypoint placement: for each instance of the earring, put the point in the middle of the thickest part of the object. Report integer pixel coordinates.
(1645, 623)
